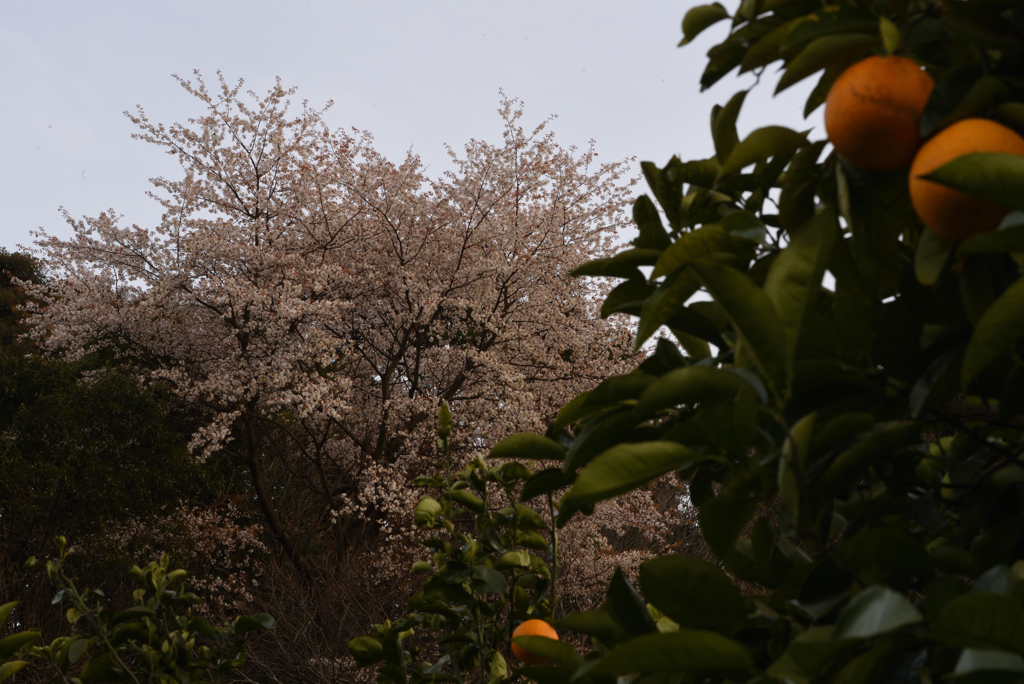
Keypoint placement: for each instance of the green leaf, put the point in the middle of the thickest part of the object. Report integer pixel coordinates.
(618, 389)
(894, 555)
(793, 283)
(745, 225)
(698, 172)
(487, 579)
(77, 648)
(620, 469)
(820, 92)
(699, 18)
(692, 652)
(850, 464)
(527, 445)
(753, 316)
(444, 421)
(12, 644)
(978, 660)
(666, 300)
(876, 610)
(789, 487)
(627, 297)
(597, 436)
(997, 331)
(691, 385)
(694, 593)
(980, 619)
(808, 654)
(890, 35)
(519, 515)
(798, 444)
(796, 201)
(622, 265)
(938, 380)
(9, 668)
(508, 473)
(532, 540)
(604, 268)
(689, 321)
(573, 411)
(100, 670)
(823, 52)
(559, 653)
(766, 49)
(722, 59)
(693, 246)
(131, 614)
(637, 256)
(992, 176)
(648, 222)
(596, 623)
(366, 650)
(762, 144)
(984, 92)
(467, 499)
(829, 19)
(250, 623)
(626, 606)
(722, 518)
(513, 559)
(930, 257)
(545, 482)
(1009, 239)
(696, 348)
(6, 610)
(723, 125)
(426, 512)
(498, 668)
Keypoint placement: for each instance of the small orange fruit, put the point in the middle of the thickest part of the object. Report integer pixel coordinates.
(873, 111)
(532, 628)
(950, 213)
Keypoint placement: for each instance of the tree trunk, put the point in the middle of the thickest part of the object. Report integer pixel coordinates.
(266, 505)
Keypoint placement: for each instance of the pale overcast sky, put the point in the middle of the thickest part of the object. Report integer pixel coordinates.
(415, 74)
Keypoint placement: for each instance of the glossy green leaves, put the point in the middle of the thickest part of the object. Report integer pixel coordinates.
(992, 176)
(753, 315)
(694, 593)
(697, 653)
(621, 469)
(699, 18)
(762, 144)
(794, 280)
(998, 330)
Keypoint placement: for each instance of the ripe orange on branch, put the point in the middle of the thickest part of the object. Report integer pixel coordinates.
(949, 213)
(873, 110)
(532, 628)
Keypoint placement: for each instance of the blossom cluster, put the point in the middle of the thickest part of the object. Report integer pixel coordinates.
(316, 302)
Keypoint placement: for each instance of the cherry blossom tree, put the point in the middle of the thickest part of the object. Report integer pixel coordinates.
(317, 301)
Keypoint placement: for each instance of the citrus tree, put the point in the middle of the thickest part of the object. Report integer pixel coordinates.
(848, 416)
(156, 639)
(493, 565)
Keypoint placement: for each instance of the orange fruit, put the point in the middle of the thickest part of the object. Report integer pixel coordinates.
(532, 628)
(873, 110)
(950, 213)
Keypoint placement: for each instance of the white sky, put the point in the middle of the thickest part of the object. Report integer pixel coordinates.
(415, 74)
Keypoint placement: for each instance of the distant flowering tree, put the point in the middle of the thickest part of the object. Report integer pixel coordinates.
(318, 302)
